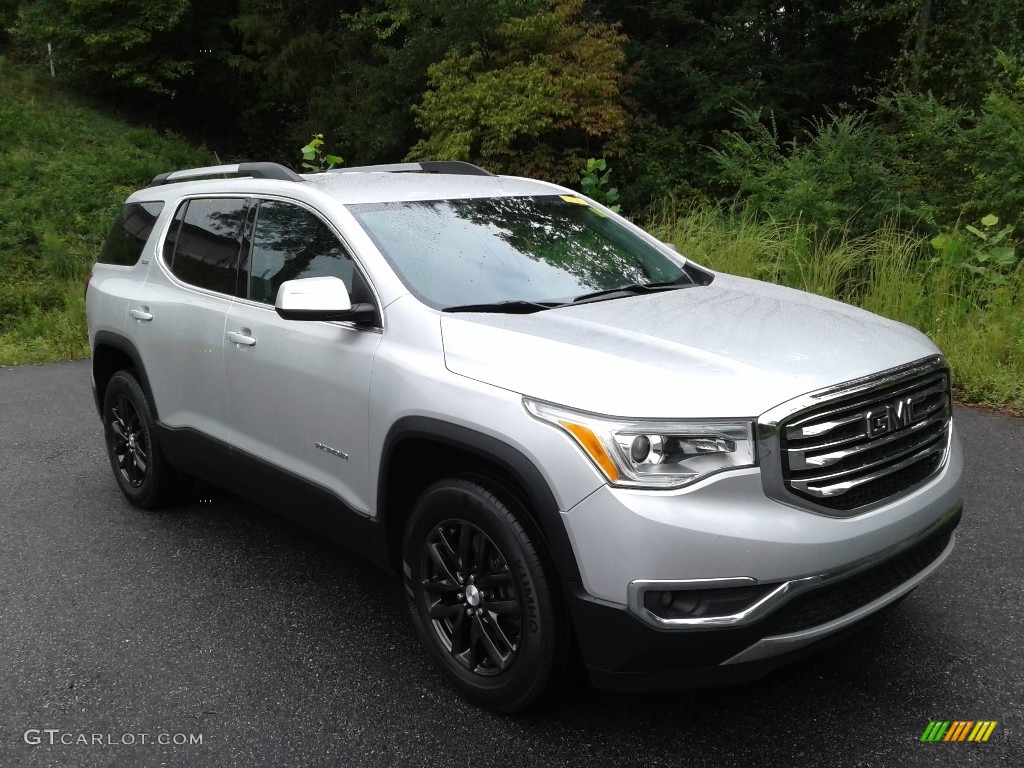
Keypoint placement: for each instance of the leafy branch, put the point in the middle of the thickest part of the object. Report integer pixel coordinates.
(314, 159)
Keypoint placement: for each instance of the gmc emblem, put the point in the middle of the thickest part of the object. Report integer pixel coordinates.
(889, 418)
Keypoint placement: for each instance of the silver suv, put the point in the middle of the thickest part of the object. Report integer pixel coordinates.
(571, 442)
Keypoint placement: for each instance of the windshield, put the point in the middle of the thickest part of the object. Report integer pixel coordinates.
(551, 248)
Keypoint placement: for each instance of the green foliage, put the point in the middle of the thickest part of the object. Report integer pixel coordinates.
(949, 48)
(356, 72)
(960, 163)
(832, 176)
(696, 61)
(538, 86)
(980, 259)
(844, 131)
(914, 159)
(995, 164)
(594, 182)
(929, 147)
(535, 98)
(314, 158)
(300, 78)
(64, 174)
(108, 44)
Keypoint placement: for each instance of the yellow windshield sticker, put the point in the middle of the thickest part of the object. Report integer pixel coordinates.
(571, 199)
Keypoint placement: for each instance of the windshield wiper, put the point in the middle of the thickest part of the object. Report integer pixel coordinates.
(632, 289)
(513, 307)
(520, 307)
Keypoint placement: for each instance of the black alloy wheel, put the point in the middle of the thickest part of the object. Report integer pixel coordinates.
(483, 596)
(472, 602)
(131, 442)
(129, 429)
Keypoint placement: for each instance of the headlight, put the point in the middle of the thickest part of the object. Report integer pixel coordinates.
(654, 454)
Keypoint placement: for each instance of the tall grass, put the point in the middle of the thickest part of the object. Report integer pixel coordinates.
(978, 324)
(65, 170)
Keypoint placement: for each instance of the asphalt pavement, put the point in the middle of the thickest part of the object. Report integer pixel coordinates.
(128, 637)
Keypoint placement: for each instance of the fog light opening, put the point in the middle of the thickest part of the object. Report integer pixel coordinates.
(703, 603)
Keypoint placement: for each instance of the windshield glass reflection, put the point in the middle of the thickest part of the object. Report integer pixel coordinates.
(537, 249)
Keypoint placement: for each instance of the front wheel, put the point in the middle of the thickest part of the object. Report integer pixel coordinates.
(481, 598)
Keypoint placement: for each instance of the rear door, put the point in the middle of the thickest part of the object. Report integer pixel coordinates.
(178, 317)
(298, 391)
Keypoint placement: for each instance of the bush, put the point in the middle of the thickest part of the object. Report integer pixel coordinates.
(915, 160)
(930, 145)
(832, 176)
(997, 167)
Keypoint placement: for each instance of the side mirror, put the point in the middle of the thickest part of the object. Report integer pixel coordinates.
(320, 298)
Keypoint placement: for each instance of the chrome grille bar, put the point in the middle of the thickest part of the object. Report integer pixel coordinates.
(802, 458)
(822, 489)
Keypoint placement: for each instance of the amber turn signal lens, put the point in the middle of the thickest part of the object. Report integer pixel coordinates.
(588, 440)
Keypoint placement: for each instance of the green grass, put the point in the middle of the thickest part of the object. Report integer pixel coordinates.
(978, 322)
(65, 170)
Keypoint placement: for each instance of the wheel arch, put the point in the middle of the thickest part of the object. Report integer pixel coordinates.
(419, 450)
(112, 353)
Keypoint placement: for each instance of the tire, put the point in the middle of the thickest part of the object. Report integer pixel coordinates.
(481, 598)
(141, 471)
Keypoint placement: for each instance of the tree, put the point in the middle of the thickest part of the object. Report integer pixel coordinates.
(536, 96)
(946, 48)
(109, 45)
(351, 70)
(300, 78)
(698, 60)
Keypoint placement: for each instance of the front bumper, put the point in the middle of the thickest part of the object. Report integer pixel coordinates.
(808, 578)
(726, 528)
(624, 653)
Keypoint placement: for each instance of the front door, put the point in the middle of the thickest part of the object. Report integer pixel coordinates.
(298, 390)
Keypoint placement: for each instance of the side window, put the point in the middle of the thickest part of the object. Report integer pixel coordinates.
(202, 246)
(129, 234)
(291, 242)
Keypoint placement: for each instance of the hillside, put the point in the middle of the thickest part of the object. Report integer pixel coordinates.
(65, 169)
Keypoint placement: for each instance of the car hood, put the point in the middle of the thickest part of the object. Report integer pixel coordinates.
(736, 347)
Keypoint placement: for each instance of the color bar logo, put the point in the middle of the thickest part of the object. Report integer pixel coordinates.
(959, 730)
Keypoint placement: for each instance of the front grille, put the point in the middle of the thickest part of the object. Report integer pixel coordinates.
(859, 449)
(820, 606)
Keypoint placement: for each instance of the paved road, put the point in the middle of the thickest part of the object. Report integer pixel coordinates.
(220, 620)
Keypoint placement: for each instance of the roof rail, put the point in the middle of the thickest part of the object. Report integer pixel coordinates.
(253, 170)
(456, 167)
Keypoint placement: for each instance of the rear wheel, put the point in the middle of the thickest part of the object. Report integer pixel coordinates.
(481, 598)
(129, 429)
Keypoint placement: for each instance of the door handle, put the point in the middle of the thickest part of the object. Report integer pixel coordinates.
(237, 337)
(142, 314)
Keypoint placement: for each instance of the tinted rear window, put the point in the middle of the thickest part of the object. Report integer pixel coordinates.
(129, 234)
(203, 248)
